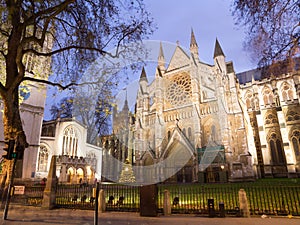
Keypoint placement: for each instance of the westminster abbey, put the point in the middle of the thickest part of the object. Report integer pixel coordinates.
(197, 122)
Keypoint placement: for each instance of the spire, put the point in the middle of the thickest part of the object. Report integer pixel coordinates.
(126, 107)
(193, 40)
(143, 76)
(193, 44)
(161, 52)
(218, 49)
(161, 58)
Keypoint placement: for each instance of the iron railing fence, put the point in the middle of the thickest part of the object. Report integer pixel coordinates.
(263, 198)
(117, 197)
(121, 197)
(75, 196)
(193, 198)
(33, 196)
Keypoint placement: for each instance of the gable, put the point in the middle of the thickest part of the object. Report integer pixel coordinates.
(180, 142)
(179, 59)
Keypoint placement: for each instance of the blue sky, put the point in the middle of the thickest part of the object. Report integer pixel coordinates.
(209, 19)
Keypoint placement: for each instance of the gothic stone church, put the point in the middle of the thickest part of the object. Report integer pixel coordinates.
(197, 122)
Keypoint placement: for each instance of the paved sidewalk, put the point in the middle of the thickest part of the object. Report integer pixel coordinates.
(35, 215)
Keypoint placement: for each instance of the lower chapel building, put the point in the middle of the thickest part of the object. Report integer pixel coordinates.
(65, 139)
(204, 123)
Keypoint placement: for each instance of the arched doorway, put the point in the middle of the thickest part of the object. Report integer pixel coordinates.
(70, 174)
(178, 163)
(80, 176)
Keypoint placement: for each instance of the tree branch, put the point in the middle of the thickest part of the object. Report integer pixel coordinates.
(61, 7)
(47, 54)
(61, 86)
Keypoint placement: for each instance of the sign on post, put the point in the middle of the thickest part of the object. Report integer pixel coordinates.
(19, 190)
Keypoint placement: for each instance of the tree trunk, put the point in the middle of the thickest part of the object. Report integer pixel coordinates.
(13, 130)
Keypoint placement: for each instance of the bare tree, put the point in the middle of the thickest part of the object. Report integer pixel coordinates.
(70, 32)
(63, 109)
(273, 28)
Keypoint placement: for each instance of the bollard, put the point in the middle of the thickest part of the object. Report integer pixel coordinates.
(102, 203)
(167, 203)
(245, 212)
(148, 200)
(211, 208)
(222, 209)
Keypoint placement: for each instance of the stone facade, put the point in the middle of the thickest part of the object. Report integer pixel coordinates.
(272, 112)
(76, 160)
(32, 102)
(204, 123)
(32, 113)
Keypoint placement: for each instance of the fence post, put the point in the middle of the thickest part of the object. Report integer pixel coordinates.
(244, 203)
(222, 209)
(49, 197)
(148, 200)
(102, 203)
(167, 203)
(96, 205)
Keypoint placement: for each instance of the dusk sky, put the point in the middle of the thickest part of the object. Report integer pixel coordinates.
(209, 20)
(174, 20)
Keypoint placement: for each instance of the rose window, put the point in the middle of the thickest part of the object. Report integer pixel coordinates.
(179, 90)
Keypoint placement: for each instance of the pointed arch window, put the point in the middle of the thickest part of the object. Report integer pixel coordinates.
(249, 101)
(169, 135)
(277, 151)
(184, 131)
(213, 133)
(268, 96)
(292, 116)
(29, 62)
(296, 144)
(287, 92)
(190, 133)
(43, 159)
(271, 119)
(70, 142)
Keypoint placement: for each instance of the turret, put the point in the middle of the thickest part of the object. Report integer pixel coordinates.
(161, 59)
(143, 76)
(194, 46)
(142, 96)
(143, 82)
(126, 107)
(219, 58)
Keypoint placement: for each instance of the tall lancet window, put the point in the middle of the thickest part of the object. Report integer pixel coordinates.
(277, 151)
(43, 159)
(287, 92)
(70, 142)
(296, 144)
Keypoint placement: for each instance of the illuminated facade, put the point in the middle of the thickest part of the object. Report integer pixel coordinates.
(76, 160)
(214, 125)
